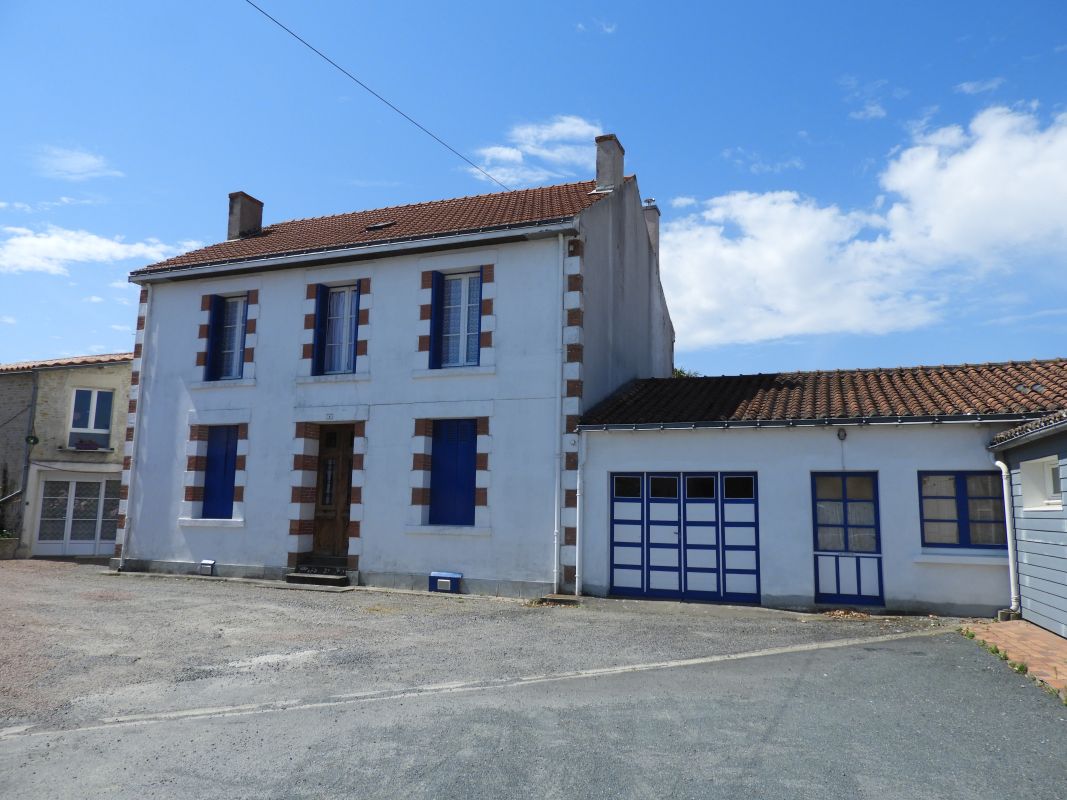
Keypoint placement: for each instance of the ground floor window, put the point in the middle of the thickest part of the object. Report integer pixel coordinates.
(962, 509)
(220, 472)
(846, 511)
(77, 517)
(453, 465)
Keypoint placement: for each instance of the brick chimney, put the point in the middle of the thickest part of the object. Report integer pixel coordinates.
(609, 155)
(246, 215)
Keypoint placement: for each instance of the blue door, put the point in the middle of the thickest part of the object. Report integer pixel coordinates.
(847, 538)
(691, 536)
(452, 471)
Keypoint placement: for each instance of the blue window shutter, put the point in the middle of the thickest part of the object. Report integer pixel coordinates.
(437, 297)
(220, 472)
(452, 472)
(216, 314)
(355, 324)
(481, 283)
(318, 352)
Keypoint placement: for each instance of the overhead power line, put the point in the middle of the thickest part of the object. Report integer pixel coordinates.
(345, 72)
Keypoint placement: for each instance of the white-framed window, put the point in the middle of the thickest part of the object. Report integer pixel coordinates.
(461, 302)
(1042, 484)
(342, 313)
(231, 339)
(90, 419)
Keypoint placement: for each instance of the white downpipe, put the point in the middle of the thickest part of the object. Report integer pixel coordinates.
(1009, 524)
(558, 467)
(578, 520)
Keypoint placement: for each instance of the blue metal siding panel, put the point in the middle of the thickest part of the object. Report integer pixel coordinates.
(452, 472)
(219, 475)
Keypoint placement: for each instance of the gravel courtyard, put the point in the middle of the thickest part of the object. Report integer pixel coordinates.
(140, 686)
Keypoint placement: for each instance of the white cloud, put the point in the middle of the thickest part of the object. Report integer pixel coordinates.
(977, 87)
(97, 348)
(540, 152)
(606, 27)
(870, 110)
(756, 164)
(121, 328)
(683, 202)
(73, 165)
(54, 249)
(93, 299)
(960, 203)
(15, 206)
(122, 285)
(8, 320)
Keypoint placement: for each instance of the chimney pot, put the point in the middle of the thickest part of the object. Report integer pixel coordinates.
(609, 155)
(652, 223)
(246, 215)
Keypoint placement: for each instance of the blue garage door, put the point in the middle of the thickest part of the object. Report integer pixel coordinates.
(689, 536)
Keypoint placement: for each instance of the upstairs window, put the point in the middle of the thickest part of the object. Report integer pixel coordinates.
(962, 509)
(456, 319)
(90, 424)
(1042, 484)
(336, 325)
(226, 338)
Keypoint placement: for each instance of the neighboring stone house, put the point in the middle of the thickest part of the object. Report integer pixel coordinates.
(1036, 455)
(391, 392)
(66, 444)
(16, 414)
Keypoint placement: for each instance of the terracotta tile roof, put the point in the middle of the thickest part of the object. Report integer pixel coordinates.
(69, 361)
(1011, 388)
(1027, 430)
(395, 224)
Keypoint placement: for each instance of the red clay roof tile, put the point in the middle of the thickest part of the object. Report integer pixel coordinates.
(69, 361)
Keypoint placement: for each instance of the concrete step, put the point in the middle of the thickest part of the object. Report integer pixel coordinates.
(316, 579)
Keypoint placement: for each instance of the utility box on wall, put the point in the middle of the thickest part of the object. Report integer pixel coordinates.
(445, 582)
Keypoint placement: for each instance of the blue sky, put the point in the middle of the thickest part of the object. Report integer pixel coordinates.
(842, 184)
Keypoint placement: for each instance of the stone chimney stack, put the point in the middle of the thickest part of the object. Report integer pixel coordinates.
(246, 215)
(609, 155)
(652, 223)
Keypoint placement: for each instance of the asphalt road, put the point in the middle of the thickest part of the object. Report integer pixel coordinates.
(371, 694)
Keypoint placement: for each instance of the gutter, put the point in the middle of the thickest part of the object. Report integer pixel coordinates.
(379, 249)
(1030, 436)
(815, 423)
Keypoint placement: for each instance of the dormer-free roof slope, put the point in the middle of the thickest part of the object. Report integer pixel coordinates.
(487, 212)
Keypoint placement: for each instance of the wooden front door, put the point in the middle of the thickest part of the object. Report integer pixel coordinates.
(333, 490)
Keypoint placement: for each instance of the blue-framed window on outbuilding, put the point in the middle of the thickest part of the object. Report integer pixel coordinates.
(846, 511)
(220, 472)
(455, 319)
(962, 509)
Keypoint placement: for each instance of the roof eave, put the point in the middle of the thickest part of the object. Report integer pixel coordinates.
(375, 249)
(932, 419)
(1030, 436)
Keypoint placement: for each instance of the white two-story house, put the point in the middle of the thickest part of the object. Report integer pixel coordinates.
(392, 392)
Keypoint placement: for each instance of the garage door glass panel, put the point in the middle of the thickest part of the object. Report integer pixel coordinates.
(700, 487)
(628, 486)
(739, 487)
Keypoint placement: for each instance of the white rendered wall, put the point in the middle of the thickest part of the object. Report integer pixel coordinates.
(517, 392)
(915, 577)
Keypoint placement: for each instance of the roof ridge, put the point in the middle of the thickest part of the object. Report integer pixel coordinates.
(423, 203)
(875, 370)
(89, 358)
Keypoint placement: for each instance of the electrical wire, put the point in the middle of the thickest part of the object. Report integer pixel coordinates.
(345, 72)
(18, 414)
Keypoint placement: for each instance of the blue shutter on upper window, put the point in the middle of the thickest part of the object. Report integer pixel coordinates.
(437, 296)
(318, 350)
(216, 316)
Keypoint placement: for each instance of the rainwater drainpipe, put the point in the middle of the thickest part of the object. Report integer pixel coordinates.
(559, 419)
(578, 520)
(1009, 524)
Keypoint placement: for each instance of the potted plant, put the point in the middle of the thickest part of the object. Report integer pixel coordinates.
(8, 543)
